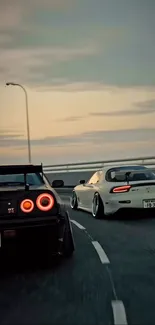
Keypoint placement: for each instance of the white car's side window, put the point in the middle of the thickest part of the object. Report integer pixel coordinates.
(100, 177)
(93, 179)
(96, 178)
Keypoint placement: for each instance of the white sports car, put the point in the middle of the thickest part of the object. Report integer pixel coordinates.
(115, 189)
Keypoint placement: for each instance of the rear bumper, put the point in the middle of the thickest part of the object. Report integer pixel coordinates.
(136, 211)
(38, 232)
(127, 203)
(16, 224)
(133, 212)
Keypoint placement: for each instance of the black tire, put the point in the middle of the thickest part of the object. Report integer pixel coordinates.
(73, 201)
(98, 212)
(68, 240)
(68, 244)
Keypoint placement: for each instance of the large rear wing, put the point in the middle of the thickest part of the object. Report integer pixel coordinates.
(20, 169)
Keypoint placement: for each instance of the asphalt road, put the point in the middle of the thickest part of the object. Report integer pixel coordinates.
(110, 279)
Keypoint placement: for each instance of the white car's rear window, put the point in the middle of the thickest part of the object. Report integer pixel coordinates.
(136, 173)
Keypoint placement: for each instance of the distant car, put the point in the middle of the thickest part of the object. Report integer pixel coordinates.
(115, 189)
(29, 205)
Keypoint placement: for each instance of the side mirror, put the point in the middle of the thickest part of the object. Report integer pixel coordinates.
(57, 183)
(82, 181)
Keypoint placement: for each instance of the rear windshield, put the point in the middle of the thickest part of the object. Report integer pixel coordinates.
(136, 174)
(31, 179)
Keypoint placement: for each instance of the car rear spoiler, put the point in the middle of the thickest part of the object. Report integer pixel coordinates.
(127, 174)
(20, 169)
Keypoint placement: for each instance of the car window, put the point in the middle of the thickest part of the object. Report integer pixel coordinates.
(91, 180)
(31, 178)
(137, 173)
(100, 176)
(94, 179)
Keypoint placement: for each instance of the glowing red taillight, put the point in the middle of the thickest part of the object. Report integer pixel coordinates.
(121, 189)
(27, 205)
(45, 202)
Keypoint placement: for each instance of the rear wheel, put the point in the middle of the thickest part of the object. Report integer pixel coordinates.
(73, 201)
(97, 207)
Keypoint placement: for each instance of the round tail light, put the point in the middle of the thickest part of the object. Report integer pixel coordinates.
(27, 205)
(45, 202)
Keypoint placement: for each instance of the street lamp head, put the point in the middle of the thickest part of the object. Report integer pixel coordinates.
(10, 84)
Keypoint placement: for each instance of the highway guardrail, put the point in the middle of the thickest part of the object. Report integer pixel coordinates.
(95, 165)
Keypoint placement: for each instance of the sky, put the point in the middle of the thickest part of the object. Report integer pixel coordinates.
(89, 70)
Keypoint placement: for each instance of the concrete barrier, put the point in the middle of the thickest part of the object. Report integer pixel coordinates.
(73, 178)
(63, 190)
(70, 178)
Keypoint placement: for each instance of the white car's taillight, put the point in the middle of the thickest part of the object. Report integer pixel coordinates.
(120, 189)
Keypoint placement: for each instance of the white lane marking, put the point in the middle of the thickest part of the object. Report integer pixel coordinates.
(119, 313)
(102, 255)
(78, 225)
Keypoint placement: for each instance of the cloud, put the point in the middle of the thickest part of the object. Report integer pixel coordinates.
(75, 86)
(13, 12)
(70, 119)
(48, 4)
(39, 23)
(10, 15)
(5, 39)
(28, 64)
(9, 135)
(140, 108)
(32, 4)
(11, 131)
(65, 85)
(56, 53)
(94, 138)
(148, 104)
(126, 112)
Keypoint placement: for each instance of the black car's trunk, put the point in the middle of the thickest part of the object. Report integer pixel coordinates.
(10, 200)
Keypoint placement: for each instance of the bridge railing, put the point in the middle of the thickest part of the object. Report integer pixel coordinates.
(95, 165)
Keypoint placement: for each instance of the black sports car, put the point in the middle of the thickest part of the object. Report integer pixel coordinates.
(31, 208)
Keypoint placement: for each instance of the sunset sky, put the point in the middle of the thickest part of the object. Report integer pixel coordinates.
(89, 70)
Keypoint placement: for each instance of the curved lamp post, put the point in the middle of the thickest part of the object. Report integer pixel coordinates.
(27, 117)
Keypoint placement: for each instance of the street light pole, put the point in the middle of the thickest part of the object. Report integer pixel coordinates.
(27, 117)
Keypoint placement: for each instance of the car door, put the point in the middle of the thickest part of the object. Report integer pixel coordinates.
(91, 189)
(83, 191)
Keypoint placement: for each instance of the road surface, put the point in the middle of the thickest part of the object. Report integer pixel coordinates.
(110, 279)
